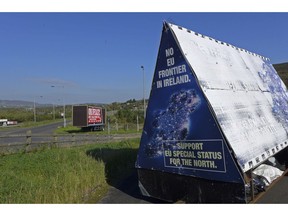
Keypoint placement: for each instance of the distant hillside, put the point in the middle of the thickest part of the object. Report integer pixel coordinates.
(29, 104)
(282, 70)
(15, 103)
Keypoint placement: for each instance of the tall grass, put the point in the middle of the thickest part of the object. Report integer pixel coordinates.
(70, 175)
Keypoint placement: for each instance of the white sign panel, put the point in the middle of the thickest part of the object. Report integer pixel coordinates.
(245, 92)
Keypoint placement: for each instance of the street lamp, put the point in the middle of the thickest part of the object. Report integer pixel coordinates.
(35, 108)
(64, 115)
(53, 107)
(144, 92)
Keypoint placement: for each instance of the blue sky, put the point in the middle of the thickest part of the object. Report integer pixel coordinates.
(97, 57)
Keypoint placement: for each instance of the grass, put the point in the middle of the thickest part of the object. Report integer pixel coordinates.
(65, 175)
(73, 129)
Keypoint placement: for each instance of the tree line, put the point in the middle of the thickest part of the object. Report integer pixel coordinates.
(130, 111)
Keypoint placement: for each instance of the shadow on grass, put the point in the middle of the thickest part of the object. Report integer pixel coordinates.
(121, 173)
(83, 131)
(74, 131)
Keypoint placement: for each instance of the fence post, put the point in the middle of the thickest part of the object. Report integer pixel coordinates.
(55, 140)
(116, 126)
(73, 139)
(137, 123)
(28, 140)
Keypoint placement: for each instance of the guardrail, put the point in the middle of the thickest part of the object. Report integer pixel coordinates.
(28, 142)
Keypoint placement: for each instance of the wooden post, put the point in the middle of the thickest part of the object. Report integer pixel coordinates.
(73, 139)
(28, 140)
(55, 140)
(137, 123)
(117, 126)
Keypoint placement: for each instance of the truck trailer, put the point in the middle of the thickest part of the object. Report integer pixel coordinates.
(89, 117)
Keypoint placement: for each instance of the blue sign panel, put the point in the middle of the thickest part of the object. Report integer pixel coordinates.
(205, 155)
(180, 133)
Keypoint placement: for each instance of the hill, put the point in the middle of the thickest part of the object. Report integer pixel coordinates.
(282, 70)
(15, 103)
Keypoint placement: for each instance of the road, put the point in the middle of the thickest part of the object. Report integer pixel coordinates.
(17, 135)
(44, 129)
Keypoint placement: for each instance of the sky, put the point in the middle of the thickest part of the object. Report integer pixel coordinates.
(96, 57)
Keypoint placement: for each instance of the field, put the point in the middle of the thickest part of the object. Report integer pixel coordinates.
(65, 175)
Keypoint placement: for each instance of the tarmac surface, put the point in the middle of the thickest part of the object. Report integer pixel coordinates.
(128, 193)
(277, 193)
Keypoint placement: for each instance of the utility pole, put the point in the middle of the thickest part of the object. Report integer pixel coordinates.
(53, 111)
(64, 110)
(34, 110)
(144, 106)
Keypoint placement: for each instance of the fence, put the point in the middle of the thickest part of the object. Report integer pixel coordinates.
(28, 142)
(124, 127)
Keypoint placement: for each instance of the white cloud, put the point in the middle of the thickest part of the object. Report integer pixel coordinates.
(53, 82)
